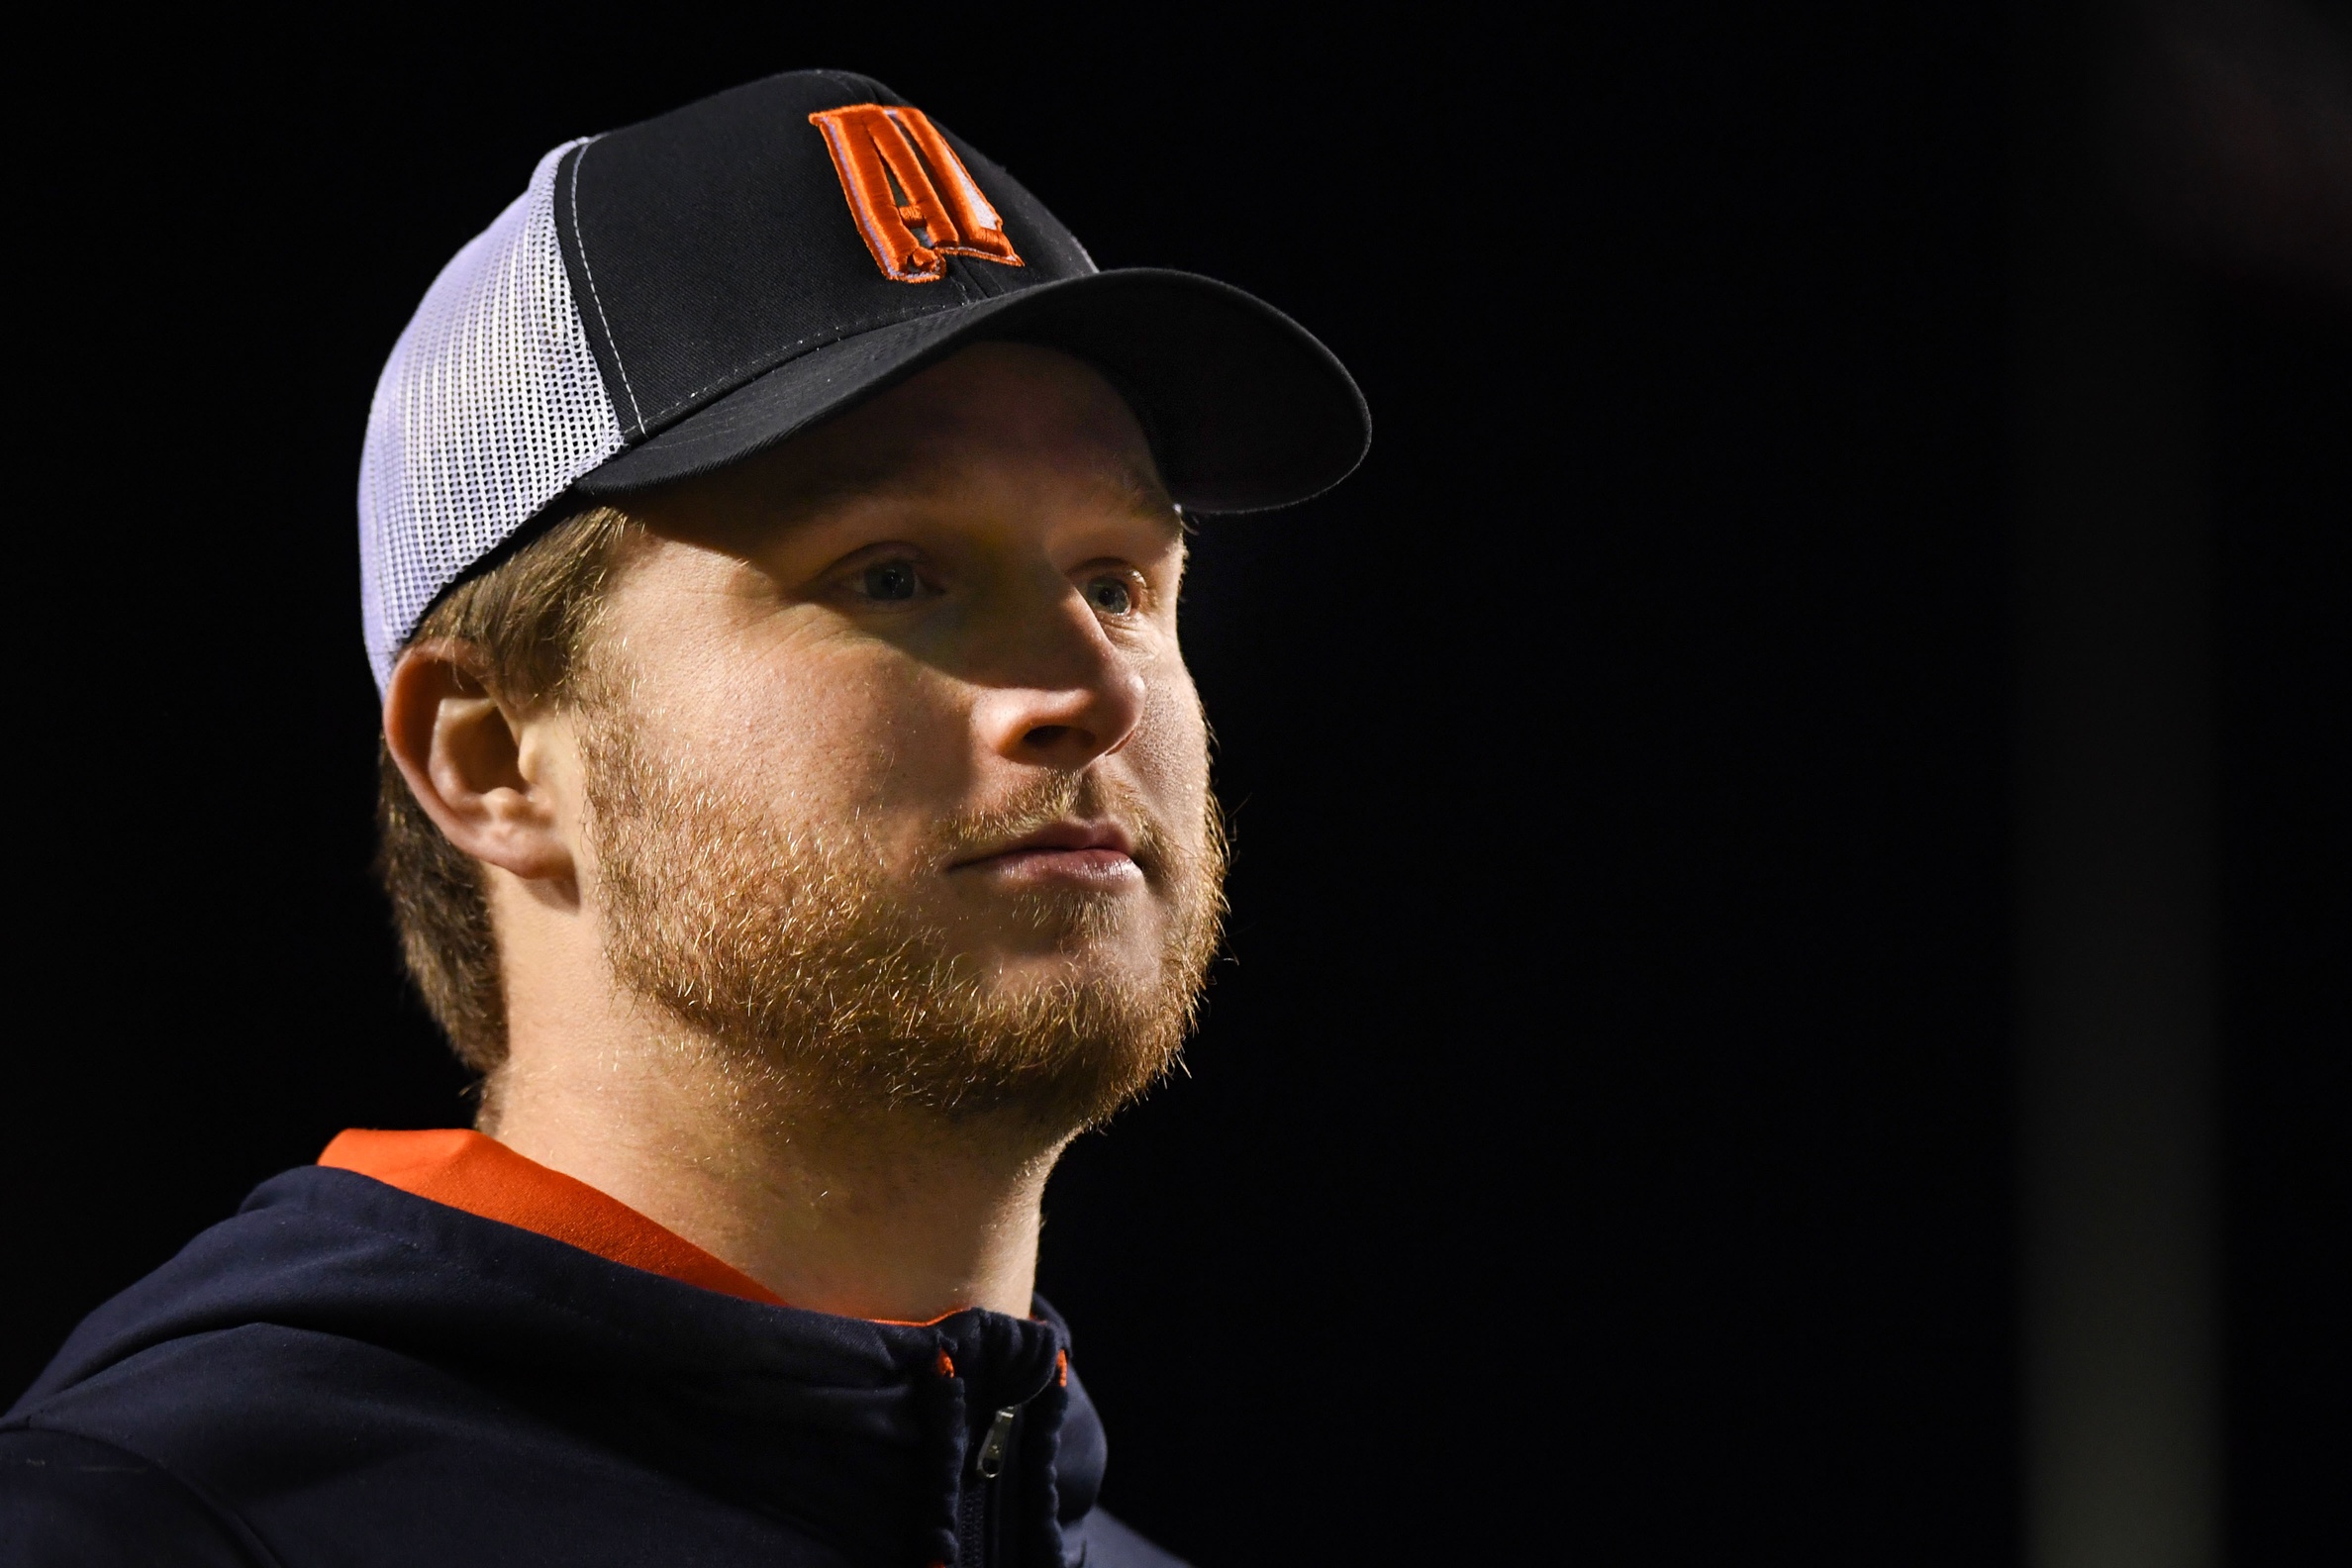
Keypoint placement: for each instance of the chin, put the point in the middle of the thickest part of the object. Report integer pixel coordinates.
(1083, 966)
(1073, 942)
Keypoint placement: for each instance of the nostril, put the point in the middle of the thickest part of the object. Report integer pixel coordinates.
(1044, 737)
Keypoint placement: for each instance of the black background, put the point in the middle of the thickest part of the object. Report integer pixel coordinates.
(1599, 1144)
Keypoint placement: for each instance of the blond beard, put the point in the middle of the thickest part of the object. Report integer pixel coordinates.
(791, 958)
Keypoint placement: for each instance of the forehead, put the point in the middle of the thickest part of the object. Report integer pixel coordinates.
(995, 416)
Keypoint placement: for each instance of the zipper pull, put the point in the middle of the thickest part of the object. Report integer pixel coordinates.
(989, 1463)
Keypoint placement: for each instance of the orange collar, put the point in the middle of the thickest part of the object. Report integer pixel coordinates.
(464, 1171)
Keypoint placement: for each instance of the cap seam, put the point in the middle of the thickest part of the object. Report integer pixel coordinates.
(580, 243)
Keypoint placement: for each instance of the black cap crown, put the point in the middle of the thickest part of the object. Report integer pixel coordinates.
(756, 262)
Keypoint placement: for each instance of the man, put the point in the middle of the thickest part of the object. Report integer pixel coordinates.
(796, 807)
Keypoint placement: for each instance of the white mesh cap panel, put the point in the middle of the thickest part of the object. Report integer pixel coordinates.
(488, 409)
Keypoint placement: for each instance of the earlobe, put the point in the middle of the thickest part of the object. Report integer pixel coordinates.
(462, 753)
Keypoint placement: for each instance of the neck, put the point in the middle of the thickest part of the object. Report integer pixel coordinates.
(896, 1214)
(888, 1214)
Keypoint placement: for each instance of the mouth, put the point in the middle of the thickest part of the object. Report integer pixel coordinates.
(1097, 854)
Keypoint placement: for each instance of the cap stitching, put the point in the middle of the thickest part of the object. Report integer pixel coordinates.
(580, 243)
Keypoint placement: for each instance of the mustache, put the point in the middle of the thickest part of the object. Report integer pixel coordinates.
(1059, 798)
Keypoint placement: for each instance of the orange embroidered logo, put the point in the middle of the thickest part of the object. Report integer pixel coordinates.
(914, 201)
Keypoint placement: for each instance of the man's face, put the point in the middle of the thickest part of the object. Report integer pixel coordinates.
(894, 769)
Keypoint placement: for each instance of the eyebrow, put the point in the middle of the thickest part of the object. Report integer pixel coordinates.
(1139, 488)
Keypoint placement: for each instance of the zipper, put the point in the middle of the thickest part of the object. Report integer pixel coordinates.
(989, 1463)
(980, 1525)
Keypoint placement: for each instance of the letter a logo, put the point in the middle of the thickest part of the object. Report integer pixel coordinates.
(914, 201)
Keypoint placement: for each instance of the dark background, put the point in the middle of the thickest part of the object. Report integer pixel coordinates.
(1600, 1141)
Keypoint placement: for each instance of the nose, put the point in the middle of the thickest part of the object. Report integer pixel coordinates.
(1065, 695)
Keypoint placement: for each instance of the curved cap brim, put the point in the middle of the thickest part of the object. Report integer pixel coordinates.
(1244, 408)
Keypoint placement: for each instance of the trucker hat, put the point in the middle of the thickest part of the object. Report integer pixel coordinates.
(674, 297)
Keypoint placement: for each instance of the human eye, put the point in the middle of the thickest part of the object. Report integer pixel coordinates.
(893, 580)
(1113, 590)
(890, 581)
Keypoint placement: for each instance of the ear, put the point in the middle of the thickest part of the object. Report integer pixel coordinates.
(477, 768)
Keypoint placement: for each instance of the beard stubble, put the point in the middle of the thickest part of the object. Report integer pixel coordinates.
(791, 957)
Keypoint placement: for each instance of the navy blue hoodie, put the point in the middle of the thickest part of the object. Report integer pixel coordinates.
(345, 1373)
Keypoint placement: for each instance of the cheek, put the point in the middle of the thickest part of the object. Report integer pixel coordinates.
(1169, 754)
(826, 735)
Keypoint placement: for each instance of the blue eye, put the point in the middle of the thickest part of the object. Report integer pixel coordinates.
(894, 581)
(1110, 595)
